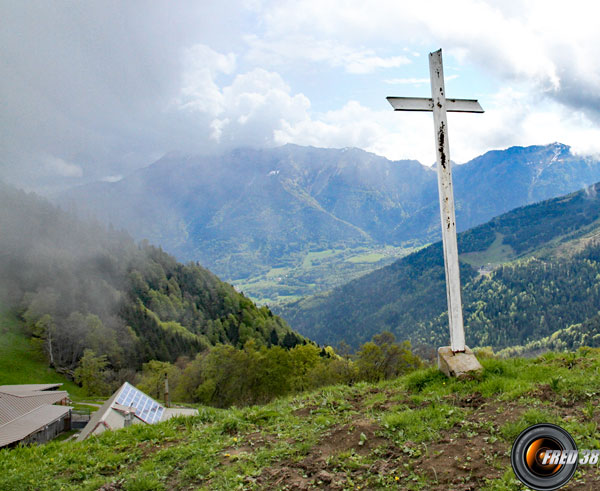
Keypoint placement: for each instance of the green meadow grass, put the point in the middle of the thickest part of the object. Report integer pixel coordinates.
(414, 432)
(496, 253)
(22, 362)
(367, 258)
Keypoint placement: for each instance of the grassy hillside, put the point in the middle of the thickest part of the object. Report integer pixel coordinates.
(421, 431)
(21, 360)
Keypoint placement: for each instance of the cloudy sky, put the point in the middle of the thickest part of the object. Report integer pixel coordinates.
(96, 89)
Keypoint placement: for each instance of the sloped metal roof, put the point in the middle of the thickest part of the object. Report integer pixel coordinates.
(97, 417)
(13, 406)
(13, 389)
(36, 419)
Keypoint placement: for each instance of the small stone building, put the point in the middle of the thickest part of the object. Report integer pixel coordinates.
(33, 413)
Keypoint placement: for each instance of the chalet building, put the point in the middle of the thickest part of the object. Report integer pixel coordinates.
(127, 406)
(34, 413)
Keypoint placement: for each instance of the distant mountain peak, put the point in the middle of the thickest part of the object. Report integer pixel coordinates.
(561, 146)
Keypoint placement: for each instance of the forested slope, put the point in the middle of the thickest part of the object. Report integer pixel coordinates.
(551, 283)
(80, 286)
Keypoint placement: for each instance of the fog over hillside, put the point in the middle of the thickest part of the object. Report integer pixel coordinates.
(78, 285)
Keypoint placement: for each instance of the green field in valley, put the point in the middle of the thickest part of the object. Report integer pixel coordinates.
(317, 271)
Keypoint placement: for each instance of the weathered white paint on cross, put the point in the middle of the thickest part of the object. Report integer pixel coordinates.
(439, 105)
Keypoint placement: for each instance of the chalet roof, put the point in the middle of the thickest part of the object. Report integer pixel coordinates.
(28, 423)
(25, 409)
(13, 389)
(97, 417)
(14, 405)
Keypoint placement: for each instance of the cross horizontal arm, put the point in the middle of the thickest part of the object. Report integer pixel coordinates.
(425, 104)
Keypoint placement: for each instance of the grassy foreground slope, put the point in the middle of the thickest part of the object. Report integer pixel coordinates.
(22, 362)
(421, 431)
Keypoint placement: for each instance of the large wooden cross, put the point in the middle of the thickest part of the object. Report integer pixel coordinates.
(439, 105)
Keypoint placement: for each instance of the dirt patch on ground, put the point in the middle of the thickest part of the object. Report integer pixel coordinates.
(465, 457)
(318, 468)
(589, 480)
(358, 436)
(317, 472)
(286, 477)
(305, 411)
(260, 439)
(497, 413)
(312, 472)
(544, 392)
(474, 401)
(113, 486)
(471, 453)
(463, 463)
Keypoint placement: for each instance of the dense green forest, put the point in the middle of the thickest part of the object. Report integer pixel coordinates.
(79, 286)
(104, 309)
(224, 375)
(544, 272)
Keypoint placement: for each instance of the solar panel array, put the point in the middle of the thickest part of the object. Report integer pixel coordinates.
(146, 408)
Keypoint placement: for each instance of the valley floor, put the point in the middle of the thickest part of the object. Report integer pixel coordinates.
(421, 431)
(309, 273)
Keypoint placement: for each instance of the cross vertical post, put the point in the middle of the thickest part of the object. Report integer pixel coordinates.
(456, 359)
(446, 196)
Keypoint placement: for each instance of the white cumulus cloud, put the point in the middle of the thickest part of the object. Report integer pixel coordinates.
(248, 111)
(106, 89)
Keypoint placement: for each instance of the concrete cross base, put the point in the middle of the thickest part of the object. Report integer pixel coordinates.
(460, 364)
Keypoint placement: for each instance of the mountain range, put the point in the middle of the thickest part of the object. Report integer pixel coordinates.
(288, 221)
